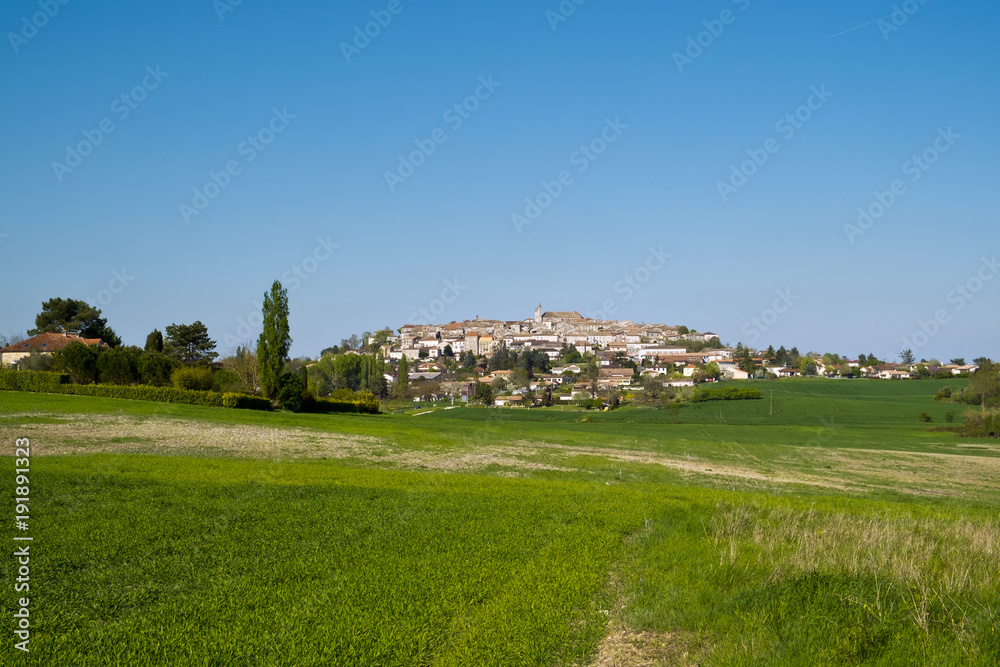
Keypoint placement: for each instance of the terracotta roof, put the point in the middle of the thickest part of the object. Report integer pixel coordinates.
(50, 342)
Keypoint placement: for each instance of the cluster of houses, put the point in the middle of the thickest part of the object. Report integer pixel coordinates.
(546, 332)
(654, 348)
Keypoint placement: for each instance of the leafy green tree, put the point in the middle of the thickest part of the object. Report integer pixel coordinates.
(119, 365)
(984, 386)
(770, 355)
(156, 368)
(958, 361)
(189, 344)
(568, 354)
(74, 315)
(981, 361)
(502, 359)
(275, 340)
(290, 392)
(423, 353)
(906, 357)
(348, 371)
(198, 378)
(807, 366)
(483, 393)
(154, 341)
(743, 357)
(79, 361)
(468, 361)
(712, 371)
(653, 390)
(448, 352)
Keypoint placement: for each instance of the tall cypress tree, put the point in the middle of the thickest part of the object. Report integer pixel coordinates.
(404, 377)
(275, 340)
(154, 341)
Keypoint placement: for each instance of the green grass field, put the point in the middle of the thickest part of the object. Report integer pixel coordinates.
(822, 525)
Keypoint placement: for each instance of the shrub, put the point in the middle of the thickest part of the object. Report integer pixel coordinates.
(725, 394)
(981, 423)
(924, 417)
(245, 402)
(290, 390)
(79, 361)
(949, 417)
(943, 394)
(119, 366)
(226, 381)
(155, 369)
(196, 378)
(35, 361)
(362, 402)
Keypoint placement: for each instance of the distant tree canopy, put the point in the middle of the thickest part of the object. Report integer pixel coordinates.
(189, 344)
(73, 315)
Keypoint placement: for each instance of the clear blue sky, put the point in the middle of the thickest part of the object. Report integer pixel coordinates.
(887, 95)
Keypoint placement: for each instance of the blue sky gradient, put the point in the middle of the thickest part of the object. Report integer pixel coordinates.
(891, 89)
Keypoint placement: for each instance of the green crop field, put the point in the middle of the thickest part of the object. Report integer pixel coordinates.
(824, 524)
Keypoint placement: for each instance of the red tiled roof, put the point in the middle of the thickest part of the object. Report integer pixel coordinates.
(50, 342)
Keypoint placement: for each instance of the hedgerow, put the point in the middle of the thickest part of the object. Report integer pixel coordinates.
(31, 380)
(58, 383)
(724, 394)
(363, 402)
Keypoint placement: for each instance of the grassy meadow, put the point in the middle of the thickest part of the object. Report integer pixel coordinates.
(824, 524)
